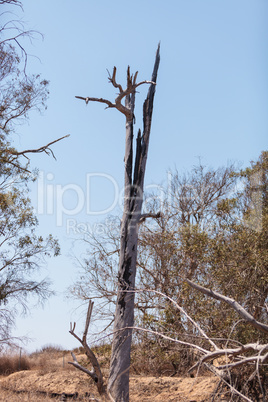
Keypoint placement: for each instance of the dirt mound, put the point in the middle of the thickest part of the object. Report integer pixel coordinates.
(57, 382)
(141, 388)
(172, 389)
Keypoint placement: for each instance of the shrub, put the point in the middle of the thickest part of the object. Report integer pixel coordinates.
(12, 363)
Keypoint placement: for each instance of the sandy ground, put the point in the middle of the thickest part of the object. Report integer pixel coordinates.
(50, 380)
(34, 385)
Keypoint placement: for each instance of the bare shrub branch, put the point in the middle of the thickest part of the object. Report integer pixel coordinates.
(96, 373)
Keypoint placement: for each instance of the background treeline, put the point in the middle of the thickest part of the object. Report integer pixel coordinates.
(213, 231)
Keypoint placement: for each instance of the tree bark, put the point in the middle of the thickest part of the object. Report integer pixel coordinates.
(118, 384)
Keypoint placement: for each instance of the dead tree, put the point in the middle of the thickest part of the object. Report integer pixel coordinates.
(96, 373)
(134, 173)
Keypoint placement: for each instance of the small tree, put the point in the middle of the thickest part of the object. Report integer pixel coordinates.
(22, 251)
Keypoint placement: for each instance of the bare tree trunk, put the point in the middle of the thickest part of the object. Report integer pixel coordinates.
(118, 384)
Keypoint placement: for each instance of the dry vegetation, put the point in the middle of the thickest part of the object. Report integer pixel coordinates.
(46, 375)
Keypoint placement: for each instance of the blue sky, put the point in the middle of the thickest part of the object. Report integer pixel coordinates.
(211, 102)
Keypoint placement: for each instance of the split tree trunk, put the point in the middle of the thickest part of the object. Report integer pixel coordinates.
(118, 384)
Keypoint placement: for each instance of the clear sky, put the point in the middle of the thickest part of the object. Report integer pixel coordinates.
(211, 102)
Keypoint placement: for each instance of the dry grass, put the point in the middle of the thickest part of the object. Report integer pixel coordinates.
(10, 363)
(50, 359)
(48, 376)
(45, 375)
(10, 396)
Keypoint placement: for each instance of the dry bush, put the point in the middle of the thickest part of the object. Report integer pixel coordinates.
(79, 351)
(154, 359)
(49, 358)
(49, 349)
(103, 353)
(44, 363)
(148, 357)
(10, 363)
(253, 387)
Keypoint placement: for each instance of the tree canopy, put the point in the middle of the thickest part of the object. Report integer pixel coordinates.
(212, 230)
(22, 250)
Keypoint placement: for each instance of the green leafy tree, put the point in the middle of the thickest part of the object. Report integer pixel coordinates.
(214, 232)
(22, 251)
(210, 231)
(239, 251)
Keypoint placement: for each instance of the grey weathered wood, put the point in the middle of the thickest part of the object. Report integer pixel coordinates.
(118, 384)
(96, 373)
(234, 304)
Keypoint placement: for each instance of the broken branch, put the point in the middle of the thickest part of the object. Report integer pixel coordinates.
(113, 80)
(149, 215)
(101, 100)
(96, 373)
(131, 87)
(234, 304)
(44, 148)
(79, 367)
